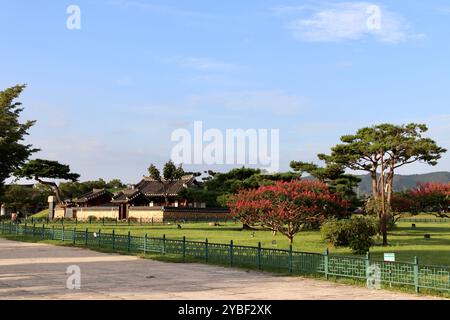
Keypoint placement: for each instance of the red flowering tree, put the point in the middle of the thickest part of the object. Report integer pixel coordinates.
(433, 197)
(286, 207)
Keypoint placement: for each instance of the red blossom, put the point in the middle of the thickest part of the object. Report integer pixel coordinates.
(286, 206)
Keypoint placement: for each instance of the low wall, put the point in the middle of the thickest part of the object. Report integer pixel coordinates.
(98, 212)
(146, 214)
(174, 213)
(85, 212)
(59, 213)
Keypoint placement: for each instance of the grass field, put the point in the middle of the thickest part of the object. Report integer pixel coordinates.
(404, 240)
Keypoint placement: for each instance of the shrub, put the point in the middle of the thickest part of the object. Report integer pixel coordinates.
(334, 232)
(92, 218)
(355, 233)
(373, 209)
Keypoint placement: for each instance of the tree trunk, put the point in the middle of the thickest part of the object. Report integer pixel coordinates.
(291, 239)
(383, 203)
(390, 181)
(373, 178)
(54, 187)
(247, 227)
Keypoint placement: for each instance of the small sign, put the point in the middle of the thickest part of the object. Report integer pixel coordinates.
(389, 257)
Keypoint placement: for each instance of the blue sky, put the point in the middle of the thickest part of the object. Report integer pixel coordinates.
(108, 96)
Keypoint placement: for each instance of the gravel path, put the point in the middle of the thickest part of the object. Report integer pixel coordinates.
(38, 271)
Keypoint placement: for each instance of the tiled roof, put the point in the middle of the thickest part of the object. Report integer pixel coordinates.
(91, 195)
(150, 187)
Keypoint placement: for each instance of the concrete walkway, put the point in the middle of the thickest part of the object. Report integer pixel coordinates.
(38, 271)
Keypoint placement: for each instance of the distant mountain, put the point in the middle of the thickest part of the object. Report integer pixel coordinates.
(405, 182)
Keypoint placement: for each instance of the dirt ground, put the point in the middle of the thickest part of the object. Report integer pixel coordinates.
(38, 271)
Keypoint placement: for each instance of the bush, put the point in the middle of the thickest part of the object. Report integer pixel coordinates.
(355, 233)
(373, 209)
(92, 218)
(334, 232)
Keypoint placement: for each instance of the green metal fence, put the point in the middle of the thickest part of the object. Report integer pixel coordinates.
(432, 220)
(397, 273)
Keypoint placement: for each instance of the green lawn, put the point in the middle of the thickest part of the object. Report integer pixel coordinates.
(405, 241)
(40, 215)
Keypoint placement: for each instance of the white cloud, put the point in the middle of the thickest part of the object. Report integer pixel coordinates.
(348, 21)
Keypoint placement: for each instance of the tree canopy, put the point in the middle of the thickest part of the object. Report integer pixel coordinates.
(13, 152)
(380, 150)
(40, 169)
(286, 207)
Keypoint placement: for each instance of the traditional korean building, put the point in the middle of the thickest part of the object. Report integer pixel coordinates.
(96, 197)
(150, 193)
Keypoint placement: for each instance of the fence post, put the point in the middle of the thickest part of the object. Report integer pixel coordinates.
(73, 235)
(231, 253)
(206, 250)
(86, 237)
(290, 259)
(164, 244)
(34, 230)
(114, 239)
(367, 263)
(103, 220)
(416, 274)
(43, 231)
(62, 234)
(184, 248)
(326, 260)
(259, 255)
(129, 241)
(145, 244)
(99, 241)
(76, 221)
(53, 232)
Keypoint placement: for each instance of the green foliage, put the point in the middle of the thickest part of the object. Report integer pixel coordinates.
(39, 168)
(170, 172)
(355, 233)
(334, 175)
(233, 180)
(372, 208)
(73, 190)
(13, 153)
(201, 195)
(24, 199)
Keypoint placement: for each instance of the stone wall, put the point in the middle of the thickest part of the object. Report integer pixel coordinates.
(146, 214)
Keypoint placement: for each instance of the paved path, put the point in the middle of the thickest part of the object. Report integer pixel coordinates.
(37, 271)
